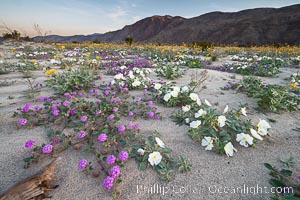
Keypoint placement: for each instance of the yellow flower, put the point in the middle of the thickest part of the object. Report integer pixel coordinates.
(97, 57)
(293, 85)
(49, 72)
(55, 56)
(33, 61)
(14, 49)
(63, 47)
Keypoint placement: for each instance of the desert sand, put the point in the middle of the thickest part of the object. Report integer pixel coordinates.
(210, 173)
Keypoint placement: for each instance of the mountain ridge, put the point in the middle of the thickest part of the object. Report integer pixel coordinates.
(257, 26)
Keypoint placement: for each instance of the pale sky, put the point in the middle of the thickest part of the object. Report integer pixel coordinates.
(70, 17)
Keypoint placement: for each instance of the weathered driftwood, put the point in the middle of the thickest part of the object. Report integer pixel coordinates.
(34, 187)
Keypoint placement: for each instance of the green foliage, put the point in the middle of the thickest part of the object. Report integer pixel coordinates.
(129, 41)
(67, 81)
(169, 71)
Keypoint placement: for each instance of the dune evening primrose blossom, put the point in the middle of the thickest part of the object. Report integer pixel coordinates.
(141, 151)
(208, 142)
(207, 103)
(47, 149)
(154, 158)
(263, 127)
(255, 134)
(195, 124)
(29, 144)
(167, 97)
(243, 111)
(102, 137)
(82, 164)
(123, 155)
(108, 182)
(110, 159)
(194, 96)
(115, 171)
(225, 109)
(200, 113)
(229, 149)
(186, 108)
(22, 121)
(221, 121)
(160, 142)
(121, 128)
(244, 139)
(81, 134)
(83, 118)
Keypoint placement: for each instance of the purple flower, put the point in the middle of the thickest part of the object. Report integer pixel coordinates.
(121, 128)
(158, 116)
(123, 155)
(111, 117)
(150, 114)
(55, 112)
(82, 164)
(72, 111)
(145, 90)
(115, 109)
(37, 108)
(110, 159)
(108, 182)
(29, 143)
(22, 121)
(130, 113)
(80, 94)
(98, 112)
(130, 125)
(138, 99)
(115, 171)
(137, 127)
(81, 134)
(83, 118)
(54, 107)
(74, 93)
(102, 137)
(47, 149)
(26, 107)
(149, 103)
(97, 101)
(66, 103)
(297, 176)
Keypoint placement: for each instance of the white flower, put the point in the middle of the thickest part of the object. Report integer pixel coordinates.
(157, 86)
(229, 149)
(200, 113)
(221, 121)
(136, 83)
(186, 108)
(194, 96)
(174, 93)
(187, 120)
(198, 101)
(154, 158)
(119, 76)
(185, 89)
(255, 134)
(167, 97)
(263, 127)
(243, 111)
(207, 102)
(176, 89)
(123, 67)
(225, 109)
(195, 124)
(244, 139)
(208, 142)
(141, 151)
(160, 143)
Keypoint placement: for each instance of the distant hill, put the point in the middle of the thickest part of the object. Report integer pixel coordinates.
(247, 27)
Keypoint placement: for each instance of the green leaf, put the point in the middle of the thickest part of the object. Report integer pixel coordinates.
(143, 165)
(286, 172)
(27, 159)
(276, 183)
(269, 166)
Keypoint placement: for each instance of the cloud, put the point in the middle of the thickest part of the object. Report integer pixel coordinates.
(117, 13)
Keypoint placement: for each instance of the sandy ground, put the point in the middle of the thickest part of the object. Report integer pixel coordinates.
(210, 174)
